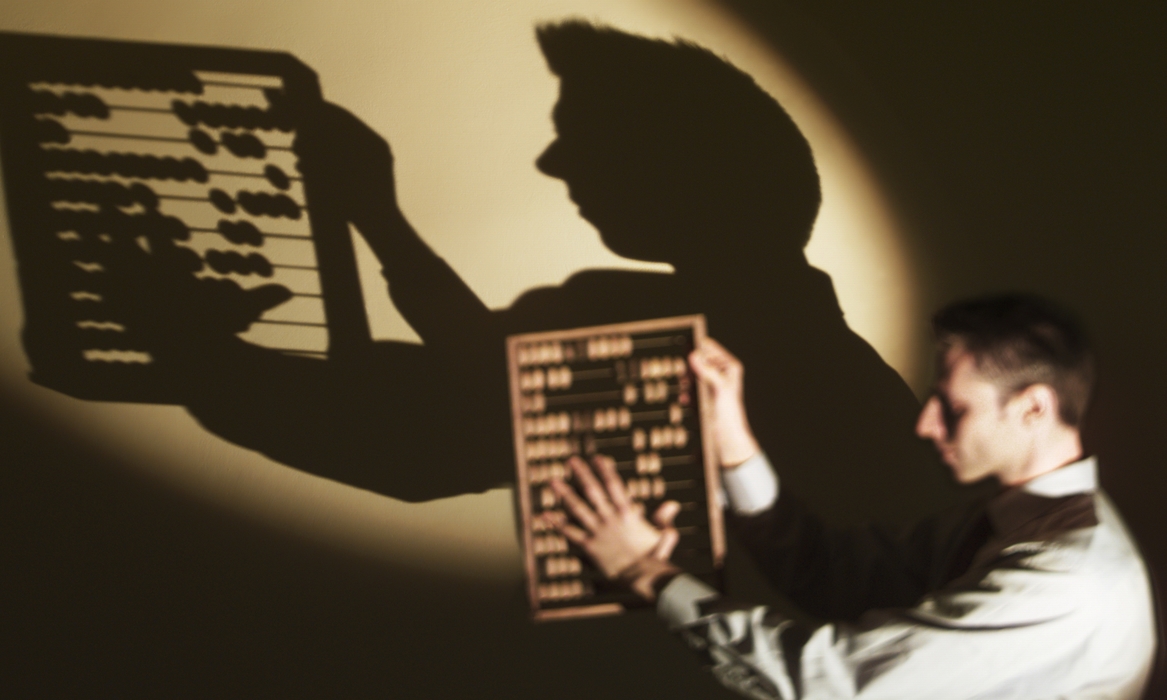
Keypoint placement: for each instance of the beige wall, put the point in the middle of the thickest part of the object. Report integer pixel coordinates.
(460, 90)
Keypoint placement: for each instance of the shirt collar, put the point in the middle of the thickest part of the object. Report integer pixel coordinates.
(1039, 497)
(1078, 477)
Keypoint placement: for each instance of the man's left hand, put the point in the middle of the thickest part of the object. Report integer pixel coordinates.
(613, 531)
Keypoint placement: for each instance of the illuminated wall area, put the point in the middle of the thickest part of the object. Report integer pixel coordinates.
(464, 96)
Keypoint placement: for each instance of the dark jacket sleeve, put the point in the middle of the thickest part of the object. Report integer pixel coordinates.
(838, 574)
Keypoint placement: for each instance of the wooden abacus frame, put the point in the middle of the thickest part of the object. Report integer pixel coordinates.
(695, 325)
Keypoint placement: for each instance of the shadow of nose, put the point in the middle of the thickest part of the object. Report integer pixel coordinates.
(548, 161)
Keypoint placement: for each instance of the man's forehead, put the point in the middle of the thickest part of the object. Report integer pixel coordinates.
(948, 357)
(958, 369)
(956, 362)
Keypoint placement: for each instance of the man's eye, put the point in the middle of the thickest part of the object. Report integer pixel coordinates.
(950, 415)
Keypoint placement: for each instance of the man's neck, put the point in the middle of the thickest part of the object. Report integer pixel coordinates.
(1062, 448)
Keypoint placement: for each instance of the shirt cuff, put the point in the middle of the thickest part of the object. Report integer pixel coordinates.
(678, 602)
(752, 486)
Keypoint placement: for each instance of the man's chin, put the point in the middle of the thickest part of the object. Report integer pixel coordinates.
(961, 475)
(948, 457)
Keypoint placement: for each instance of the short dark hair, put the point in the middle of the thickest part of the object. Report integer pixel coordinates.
(699, 112)
(1019, 340)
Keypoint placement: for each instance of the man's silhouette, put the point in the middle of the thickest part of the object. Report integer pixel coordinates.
(674, 156)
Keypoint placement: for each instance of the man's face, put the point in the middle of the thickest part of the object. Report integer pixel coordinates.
(977, 433)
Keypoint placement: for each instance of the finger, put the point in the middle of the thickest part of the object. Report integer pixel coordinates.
(668, 542)
(575, 504)
(710, 345)
(708, 367)
(666, 514)
(573, 533)
(715, 354)
(615, 485)
(592, 488)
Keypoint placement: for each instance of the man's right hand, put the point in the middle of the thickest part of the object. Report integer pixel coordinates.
(721, 373)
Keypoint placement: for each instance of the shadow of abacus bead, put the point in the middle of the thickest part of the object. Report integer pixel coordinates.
(203, 142)
(222, 201)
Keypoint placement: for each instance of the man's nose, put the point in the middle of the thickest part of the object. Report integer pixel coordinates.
(929, 425)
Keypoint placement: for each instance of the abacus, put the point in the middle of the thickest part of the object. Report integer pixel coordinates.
(624, 391)
(104, 142)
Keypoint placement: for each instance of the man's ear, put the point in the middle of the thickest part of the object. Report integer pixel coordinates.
(1036, 402)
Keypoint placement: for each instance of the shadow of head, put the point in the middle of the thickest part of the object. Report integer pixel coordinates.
(672, 153)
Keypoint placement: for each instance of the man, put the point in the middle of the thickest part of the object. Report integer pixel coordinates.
(1037, 592)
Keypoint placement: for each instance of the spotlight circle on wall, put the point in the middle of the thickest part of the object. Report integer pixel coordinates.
(462, 93)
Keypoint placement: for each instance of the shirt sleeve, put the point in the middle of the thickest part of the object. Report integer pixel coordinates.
(1011, 633)
(752, 486)
(742, 648)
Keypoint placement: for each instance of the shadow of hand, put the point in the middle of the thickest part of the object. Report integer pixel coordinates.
(156, 288)
(349, 164)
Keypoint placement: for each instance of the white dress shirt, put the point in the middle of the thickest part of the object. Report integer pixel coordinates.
(1052, 602)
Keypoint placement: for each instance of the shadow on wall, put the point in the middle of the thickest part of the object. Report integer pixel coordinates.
(206, 261)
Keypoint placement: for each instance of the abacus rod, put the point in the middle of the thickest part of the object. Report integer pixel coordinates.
(594, 396)
(136, 137)
(136, 108)
(657, 342)
(185, 198)
(144, 137)
(591, 373)
(262, 233)
(223, 83)
(295, 351)
(292, 323)
(243, 174)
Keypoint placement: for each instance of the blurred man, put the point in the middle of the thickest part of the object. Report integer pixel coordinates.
(1037, 592)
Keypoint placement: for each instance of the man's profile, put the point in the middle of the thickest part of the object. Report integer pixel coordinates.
(1038, 591)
